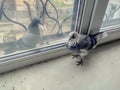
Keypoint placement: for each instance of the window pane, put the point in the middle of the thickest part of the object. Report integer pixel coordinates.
(112, 14)
(30, 24)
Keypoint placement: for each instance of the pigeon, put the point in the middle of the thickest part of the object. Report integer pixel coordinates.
(29, 40)
(80, 44)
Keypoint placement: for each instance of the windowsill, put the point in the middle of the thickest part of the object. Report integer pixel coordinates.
(100, 71)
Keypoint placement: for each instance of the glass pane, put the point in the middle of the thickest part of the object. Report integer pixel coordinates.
(112, 14)
(30, 24)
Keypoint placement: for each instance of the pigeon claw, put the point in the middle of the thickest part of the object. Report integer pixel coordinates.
(80, 62)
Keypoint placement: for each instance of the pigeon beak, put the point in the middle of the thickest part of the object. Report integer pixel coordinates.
(41, 22)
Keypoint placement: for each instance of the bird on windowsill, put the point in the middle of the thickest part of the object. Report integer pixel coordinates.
(80, 45)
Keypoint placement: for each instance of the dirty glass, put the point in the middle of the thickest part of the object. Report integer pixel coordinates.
(112, 14)
(30, 24)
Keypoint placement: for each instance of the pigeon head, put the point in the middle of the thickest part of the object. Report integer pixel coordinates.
(74, 36)
(36, 21)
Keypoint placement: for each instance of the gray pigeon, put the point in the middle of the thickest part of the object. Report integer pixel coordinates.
(81, 44)
(29, 40)
(31, 37)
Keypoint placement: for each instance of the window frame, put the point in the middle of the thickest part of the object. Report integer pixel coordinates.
(11, 62)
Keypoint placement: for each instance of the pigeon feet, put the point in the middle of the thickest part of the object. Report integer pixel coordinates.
(80, 62)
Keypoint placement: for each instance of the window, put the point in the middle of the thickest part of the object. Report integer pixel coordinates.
(18, 32)
(35, 30)
(98, 21)
(111, 21)
(112, 14)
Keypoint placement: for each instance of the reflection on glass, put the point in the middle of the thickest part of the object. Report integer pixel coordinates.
(112, 14)
(29, 24)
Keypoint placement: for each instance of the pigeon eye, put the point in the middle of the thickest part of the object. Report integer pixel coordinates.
(73, 36)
